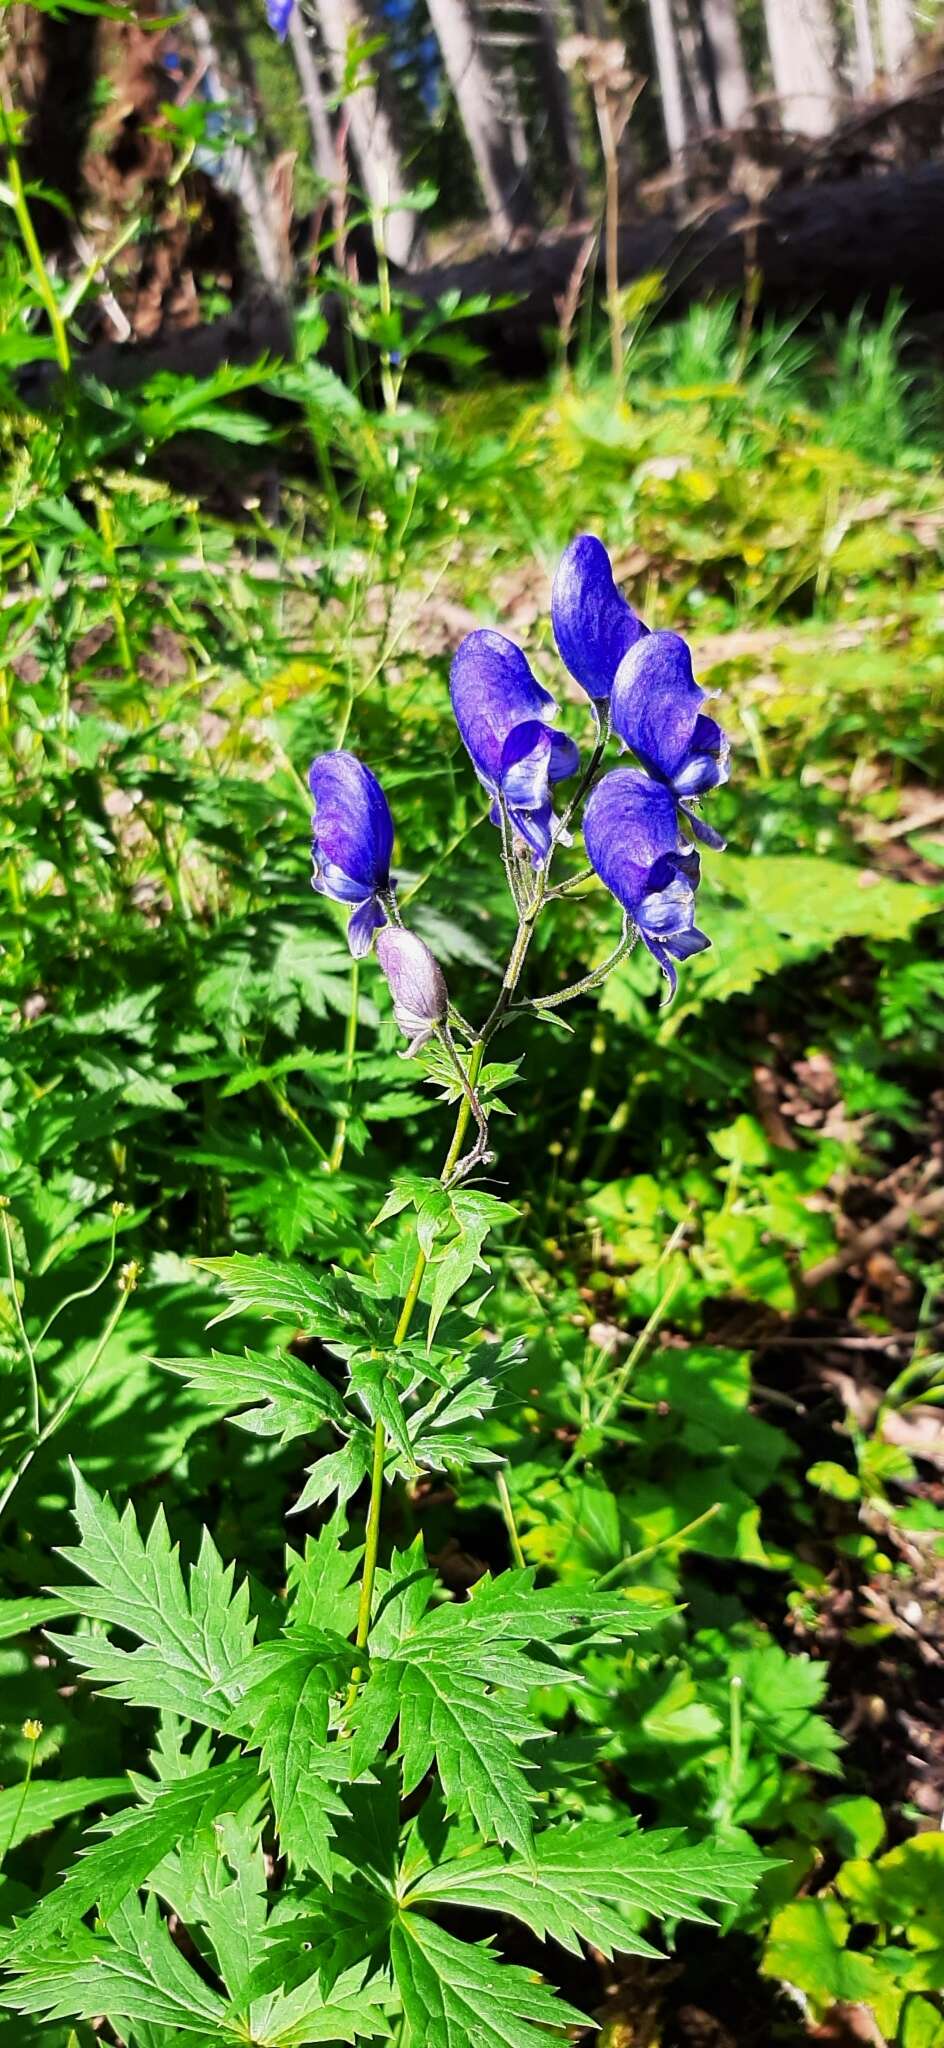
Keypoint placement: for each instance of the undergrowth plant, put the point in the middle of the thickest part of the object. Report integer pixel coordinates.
(193, 1062)
(353, 1780)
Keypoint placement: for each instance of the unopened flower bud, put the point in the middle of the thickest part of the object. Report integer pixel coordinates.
(416, 982)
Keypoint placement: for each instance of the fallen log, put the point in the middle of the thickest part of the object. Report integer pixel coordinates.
(822, 247)
(816, 247)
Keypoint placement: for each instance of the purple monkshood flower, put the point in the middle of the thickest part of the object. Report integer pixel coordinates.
(417, 984)
(632, 837)
(278, 16)
(352, 842)
(656, 709)
(502, 713)
(594, 626)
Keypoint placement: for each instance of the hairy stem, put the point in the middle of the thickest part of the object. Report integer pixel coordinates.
(589, 981)
(28, 1351)
(480, 1152)
(24, 221)
(410, 1299)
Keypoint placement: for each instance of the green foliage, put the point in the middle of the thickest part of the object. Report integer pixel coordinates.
(816, 1945)
(193, 1637)
(201, 1101)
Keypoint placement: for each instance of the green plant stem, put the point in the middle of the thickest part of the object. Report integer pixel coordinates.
(288, 1110)
(727, 1803)
(107, 536)
(516, 960)
(589, 981)
(41, 278)
(83, 1293)
(410, 1299)
(673, 1542)
(508, 1517)
(11, 1838)
(18, 1312)
(588, 1096)
(336, 1160)
(58, 1416)
(622, 1378)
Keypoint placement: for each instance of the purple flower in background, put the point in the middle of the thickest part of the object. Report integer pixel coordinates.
(278, 16)
(417, 984)
(632, 837)
(352, 842)
(656, 709)
(594, 626)
(502, 713)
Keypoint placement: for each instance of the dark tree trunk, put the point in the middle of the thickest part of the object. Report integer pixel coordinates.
(58, 129)
(722, 36)
(488, 115)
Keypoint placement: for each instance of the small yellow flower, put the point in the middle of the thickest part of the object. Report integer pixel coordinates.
(32, 1730)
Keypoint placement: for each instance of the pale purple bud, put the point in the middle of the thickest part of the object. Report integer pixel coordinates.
(416, 982)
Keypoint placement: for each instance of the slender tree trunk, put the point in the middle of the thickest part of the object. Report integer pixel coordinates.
(374, 132)
(696, 71)
(723, 39)
(496, 150)
(665, 50)
(864, 46)
(896, 34)
(803, 53)
(562, 121)
(250, 187)
(306, 64)
(237, 53)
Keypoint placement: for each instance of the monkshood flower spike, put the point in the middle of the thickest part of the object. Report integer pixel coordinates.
(502, 713)
(352, 843)
(632, 837)
(655, 708)
(594, 625)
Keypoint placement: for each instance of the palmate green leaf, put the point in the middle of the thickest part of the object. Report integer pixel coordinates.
(284, 1709)
(45, 1803)
(267, 1393)
(780, 1693)
(378, 1386)
(511, 1609)
(349, 2010)
(459, 1996)
(137, 1841)
(458, 1680)
(319, 1579)
(133, 1971)
(289, 1294)
(341, 1472)
(806, 1947)
(451, 1228)
(588, 1882)
(17, 1617)
(227, 1895)
(193, 1639)
(769, 910)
